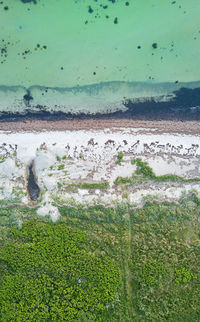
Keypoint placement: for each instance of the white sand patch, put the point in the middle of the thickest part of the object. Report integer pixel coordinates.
(44, 159)
(8, 169)
(100, 144)
(172, 193)
(124, 169)
(49, 210)
(164, 164)
(6, 188)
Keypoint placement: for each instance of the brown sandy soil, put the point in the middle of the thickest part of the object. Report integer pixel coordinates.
(187, 127)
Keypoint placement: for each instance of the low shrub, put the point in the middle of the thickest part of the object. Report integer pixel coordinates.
(122, 180)
(119, 157)
(59, 185)
(95, 185)
(61, 166)
(143, 168)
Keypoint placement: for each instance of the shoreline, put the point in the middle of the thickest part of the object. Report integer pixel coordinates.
(139, 126)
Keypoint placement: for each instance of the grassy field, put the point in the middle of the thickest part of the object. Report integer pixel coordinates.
(156, 249)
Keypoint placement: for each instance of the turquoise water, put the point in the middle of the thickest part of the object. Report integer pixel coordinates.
(72, 47)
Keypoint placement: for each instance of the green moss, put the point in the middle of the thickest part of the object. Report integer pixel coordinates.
(58, 158)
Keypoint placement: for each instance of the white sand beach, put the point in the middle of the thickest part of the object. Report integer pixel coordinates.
(64, 160)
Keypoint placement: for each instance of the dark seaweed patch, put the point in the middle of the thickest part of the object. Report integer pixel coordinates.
(184, 105)
(90, 10)
(28, 1)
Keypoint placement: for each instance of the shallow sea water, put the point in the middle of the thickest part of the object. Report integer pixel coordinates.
(86, 56)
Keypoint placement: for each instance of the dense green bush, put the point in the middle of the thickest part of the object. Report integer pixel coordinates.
(48, 275)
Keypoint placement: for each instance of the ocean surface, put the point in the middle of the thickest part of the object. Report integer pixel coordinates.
(79, 58)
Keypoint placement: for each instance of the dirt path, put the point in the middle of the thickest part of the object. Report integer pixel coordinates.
(126, 261)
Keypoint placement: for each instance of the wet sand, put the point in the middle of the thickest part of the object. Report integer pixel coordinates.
(187, 127)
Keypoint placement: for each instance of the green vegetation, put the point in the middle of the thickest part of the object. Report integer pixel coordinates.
(119, 157)
(2, 159)
(59, 185)
(122, 180)
(58, 158)
(88, 185)
(61, 166)
(125, 264)
(85, 185)
(175, 178)
(143, 168)
(165, 250)
(144, 173)
(48, 274)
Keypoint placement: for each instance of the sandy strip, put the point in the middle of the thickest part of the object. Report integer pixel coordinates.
(64, 158)
(188, 127)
